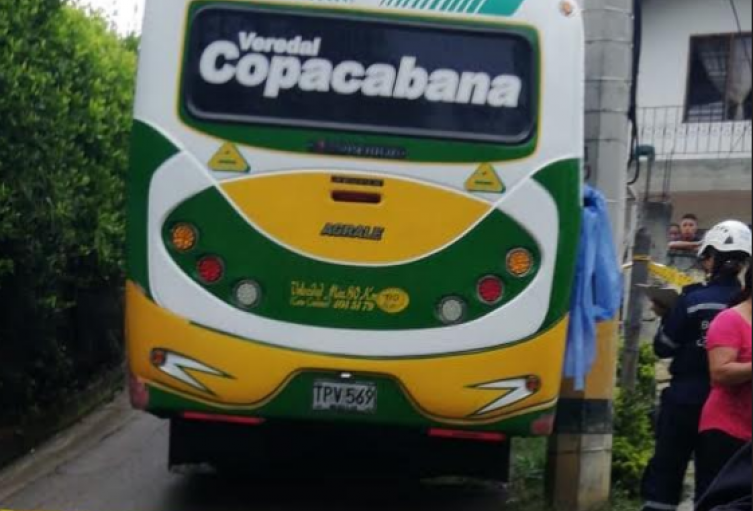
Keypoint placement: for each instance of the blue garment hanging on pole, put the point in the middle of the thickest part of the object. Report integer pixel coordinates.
(597, 295)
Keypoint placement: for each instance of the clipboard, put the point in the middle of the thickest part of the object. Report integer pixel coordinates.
(665, 296)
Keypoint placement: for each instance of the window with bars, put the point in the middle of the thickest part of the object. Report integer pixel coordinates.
(720, 79)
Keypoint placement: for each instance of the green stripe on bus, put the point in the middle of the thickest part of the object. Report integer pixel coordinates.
(249, 254)
(487, 7)
(295, 402)
(301, 141)
(475, 5)
(499, 7)
(563, 182)
(149, 150)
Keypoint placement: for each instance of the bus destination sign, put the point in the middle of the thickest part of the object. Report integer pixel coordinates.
(252, 66)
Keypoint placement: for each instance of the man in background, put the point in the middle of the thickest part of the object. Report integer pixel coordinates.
(683, 250)
(689, 240)
(675, 233)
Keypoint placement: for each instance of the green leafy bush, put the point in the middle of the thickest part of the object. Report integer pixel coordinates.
(66, 91)
(634, 435)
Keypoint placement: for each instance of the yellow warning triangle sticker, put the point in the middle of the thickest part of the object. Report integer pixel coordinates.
(485, 179)
(229, 159)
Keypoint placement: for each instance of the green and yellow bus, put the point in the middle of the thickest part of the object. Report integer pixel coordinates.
(353, 214)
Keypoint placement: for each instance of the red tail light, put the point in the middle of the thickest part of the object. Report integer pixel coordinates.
(467, 435)
(491, 289)
(211, 269)
(228, 419)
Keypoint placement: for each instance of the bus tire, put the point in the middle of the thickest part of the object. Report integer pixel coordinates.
(497, 465)
(487, 462)
(180, 446)
(227, 448)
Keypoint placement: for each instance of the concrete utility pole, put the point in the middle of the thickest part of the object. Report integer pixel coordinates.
(650, 245)
(580, 455)
(636, 309)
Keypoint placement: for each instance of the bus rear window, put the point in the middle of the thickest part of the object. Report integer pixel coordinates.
(359, 75)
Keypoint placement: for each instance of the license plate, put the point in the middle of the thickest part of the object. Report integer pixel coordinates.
(345, 397)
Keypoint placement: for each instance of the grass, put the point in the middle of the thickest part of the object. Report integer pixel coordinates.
(527, 491)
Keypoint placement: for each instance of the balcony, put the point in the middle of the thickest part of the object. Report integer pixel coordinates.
(677, 137)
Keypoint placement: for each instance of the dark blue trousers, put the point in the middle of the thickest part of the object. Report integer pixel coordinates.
(677, 439)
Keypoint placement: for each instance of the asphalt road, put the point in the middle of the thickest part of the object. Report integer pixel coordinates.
(116, 461)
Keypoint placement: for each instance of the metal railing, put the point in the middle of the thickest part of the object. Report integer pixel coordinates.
(679, 134)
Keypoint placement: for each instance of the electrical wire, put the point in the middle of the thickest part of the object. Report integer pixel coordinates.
(740, 30)
(635, 141)
(748, 56)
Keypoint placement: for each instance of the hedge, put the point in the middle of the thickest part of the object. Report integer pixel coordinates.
(66, 91)
(634, 432)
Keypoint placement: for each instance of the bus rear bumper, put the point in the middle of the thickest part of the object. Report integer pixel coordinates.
(188, 368)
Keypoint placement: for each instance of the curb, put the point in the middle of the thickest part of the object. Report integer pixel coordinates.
(41, 426)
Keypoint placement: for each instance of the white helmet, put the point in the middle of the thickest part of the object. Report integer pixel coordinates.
(730, 236)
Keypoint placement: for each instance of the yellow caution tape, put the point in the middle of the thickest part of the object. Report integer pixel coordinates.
(666, 273)
(671, 275)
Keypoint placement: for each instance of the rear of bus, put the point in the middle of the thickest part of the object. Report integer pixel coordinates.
(353, 217)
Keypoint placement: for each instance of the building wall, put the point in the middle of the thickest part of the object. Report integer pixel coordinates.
(687, 176)
(710, 164)
(714, 207)
(668, 26)
(715, 190)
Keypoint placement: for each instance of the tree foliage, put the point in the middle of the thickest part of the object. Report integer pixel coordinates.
(66, 90)
(634, 434)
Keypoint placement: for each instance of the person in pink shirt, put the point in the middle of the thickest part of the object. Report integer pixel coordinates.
(727, 420)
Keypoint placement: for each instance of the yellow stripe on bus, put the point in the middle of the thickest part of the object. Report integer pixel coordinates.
(442, 388)
(300, 211)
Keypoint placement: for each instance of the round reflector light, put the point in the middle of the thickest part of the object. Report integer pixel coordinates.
(211, 269)
(533, 383)
(248, 294)
(184, 237)
(452, 310)
(520, 262)
(491, 289)
(159, 358)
